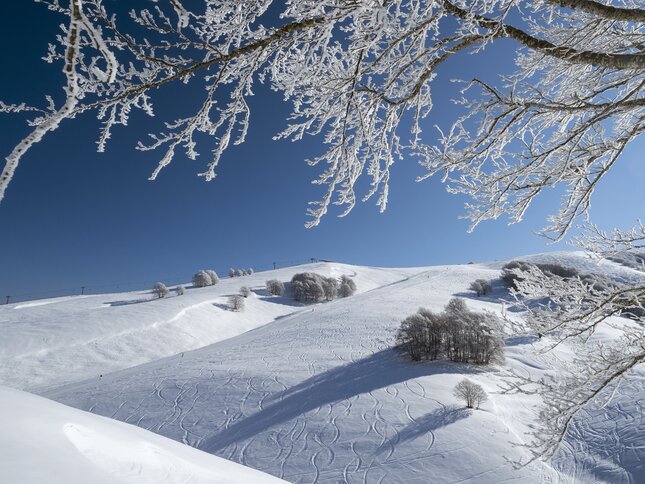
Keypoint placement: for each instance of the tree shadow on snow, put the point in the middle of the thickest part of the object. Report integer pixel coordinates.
(129, 301)
(283, 300)
(522, 339)
(378, 371)
(440, 417)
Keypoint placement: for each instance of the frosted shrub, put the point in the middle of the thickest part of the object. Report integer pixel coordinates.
(471, 393)
(510, 271)
(202, 279)
(160, 290)
(330, 288)
(213, 276)
(180, 290)
(245, 291)
(311, 287)
(275, 287)
(509, 275)
(481, 287)
(347, 286)
(236, 303)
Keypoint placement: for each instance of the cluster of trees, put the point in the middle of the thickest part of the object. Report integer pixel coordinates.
(160, 290)
(481, 287)
(457, 334)
(240, 272)
(312, 287)
(275, 287)
(205, 278)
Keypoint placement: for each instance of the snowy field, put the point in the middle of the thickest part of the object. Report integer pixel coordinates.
(66, 339)
(45, 442)
(315, 393)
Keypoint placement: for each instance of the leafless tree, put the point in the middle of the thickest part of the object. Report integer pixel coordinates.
(471, 393)
(213, 276)
(347, 286)
(275, 287)
(481, 287)
(361, 73)
(160, 290)
(236, 302)
(202, 279)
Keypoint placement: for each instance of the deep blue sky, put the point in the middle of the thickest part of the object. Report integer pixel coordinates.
(75, 217)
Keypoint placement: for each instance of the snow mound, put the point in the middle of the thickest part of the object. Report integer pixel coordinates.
(48, 443)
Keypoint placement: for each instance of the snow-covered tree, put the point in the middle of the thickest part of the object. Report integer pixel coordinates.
(250, 271)
(576, 306)
(238, 273)
(180, 290)
(213, 276)
(245, 291)
(481, 286)
(471, 393)
(347, 286)
(360, 74)
(330, 288)
(236, 302)
(231, 272)
(160, 290)
(312, 287)
(275, 287)
(202, 279)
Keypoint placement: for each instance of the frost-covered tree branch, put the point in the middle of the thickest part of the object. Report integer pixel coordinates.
(573, 310)
(359, 74)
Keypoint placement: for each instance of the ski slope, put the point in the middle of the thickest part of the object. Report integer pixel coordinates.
(67, 339)
(45, 442)
(316, 394)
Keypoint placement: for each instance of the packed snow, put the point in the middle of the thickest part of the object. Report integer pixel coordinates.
(46, 442)
(316, 393)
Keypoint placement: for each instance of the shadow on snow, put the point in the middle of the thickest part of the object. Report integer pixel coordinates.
(377, 371)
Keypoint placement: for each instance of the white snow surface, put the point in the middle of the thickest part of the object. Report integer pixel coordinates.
(316, 394)
(60, 340)
(45, 442)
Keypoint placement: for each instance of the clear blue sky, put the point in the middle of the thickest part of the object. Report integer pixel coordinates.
(75, 217)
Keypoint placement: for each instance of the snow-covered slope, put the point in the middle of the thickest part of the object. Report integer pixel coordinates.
(45, 442)
(318, 395)
(61, 340)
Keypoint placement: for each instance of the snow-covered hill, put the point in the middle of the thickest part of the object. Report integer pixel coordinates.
(316, 393)
(46, 442)
(55, 341)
